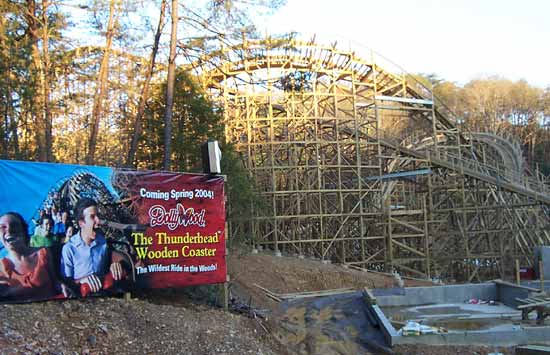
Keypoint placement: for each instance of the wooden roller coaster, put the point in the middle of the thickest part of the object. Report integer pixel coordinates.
(358, 163)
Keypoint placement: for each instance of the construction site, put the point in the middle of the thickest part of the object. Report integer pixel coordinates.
(358, 163)
(345, 206)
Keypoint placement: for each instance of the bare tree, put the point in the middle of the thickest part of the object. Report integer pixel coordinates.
(170, 88)
(145, 89)
(101, 88)
(38, 31)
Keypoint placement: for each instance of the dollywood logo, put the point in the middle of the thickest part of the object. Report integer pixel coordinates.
(179, 216)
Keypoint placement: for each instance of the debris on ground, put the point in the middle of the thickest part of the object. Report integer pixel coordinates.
(171, 323)
(412, 328)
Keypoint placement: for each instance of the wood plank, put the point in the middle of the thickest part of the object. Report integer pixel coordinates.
(408, 225)
(368, 296)
(412, 250)
(269, 293)
(522, 300)
(532, 350)
(505, 283)
(288, 296)
(531, 305)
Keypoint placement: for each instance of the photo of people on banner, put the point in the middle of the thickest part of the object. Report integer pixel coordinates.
(76, 231)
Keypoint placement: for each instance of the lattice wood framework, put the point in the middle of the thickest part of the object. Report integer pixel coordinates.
(362, 165)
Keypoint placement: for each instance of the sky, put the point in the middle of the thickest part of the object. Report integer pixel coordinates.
(459, 40)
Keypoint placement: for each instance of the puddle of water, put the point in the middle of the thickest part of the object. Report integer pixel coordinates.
(459, 324)
(450, 317)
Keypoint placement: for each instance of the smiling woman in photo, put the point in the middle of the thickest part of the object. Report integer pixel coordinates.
(25, 273)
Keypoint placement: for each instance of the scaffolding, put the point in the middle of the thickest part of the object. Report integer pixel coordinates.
(358, 163)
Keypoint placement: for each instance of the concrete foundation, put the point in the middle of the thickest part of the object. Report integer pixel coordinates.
(495, 323)
(542, 254)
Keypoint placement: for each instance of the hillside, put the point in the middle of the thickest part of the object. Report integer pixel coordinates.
(171, 322)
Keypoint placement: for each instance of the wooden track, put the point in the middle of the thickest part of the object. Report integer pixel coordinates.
(319, 127)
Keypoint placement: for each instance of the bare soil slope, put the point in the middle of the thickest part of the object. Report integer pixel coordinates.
(286, 274)
(170, 323)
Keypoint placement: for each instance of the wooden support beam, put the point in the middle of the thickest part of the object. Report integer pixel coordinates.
(312, 152)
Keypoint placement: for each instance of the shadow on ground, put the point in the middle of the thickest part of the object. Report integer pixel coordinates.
(328, 325)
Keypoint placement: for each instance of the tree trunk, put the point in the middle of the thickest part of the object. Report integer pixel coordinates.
(46, 83)
(15, 134)
(145, 90)
(39, 115)
(101, 87)
(5, 129)
(170, 88)
(10, 126)
(5, 93)
(7, 101)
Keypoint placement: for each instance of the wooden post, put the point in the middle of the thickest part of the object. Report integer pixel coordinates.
(517, 272)
(127, 296)
(225, 289)
(541, 274)
(226, 294)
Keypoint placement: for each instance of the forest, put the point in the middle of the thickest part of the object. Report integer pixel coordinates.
(512, 109)
(103, 82)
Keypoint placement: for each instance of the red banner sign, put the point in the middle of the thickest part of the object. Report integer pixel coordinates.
(184, 243)
(74, 231)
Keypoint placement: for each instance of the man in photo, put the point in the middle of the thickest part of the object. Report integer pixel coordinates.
(86, 261)
(60, 227)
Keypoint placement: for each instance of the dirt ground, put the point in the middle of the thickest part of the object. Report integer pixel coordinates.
(287, 274)
(175, 322)
(291, 275)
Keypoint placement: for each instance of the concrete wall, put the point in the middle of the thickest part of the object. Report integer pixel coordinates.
(507, 294)
(542, 253)
(536, 284)
(439, 294)
(518, 335)
(501, 291)
(386, 327)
